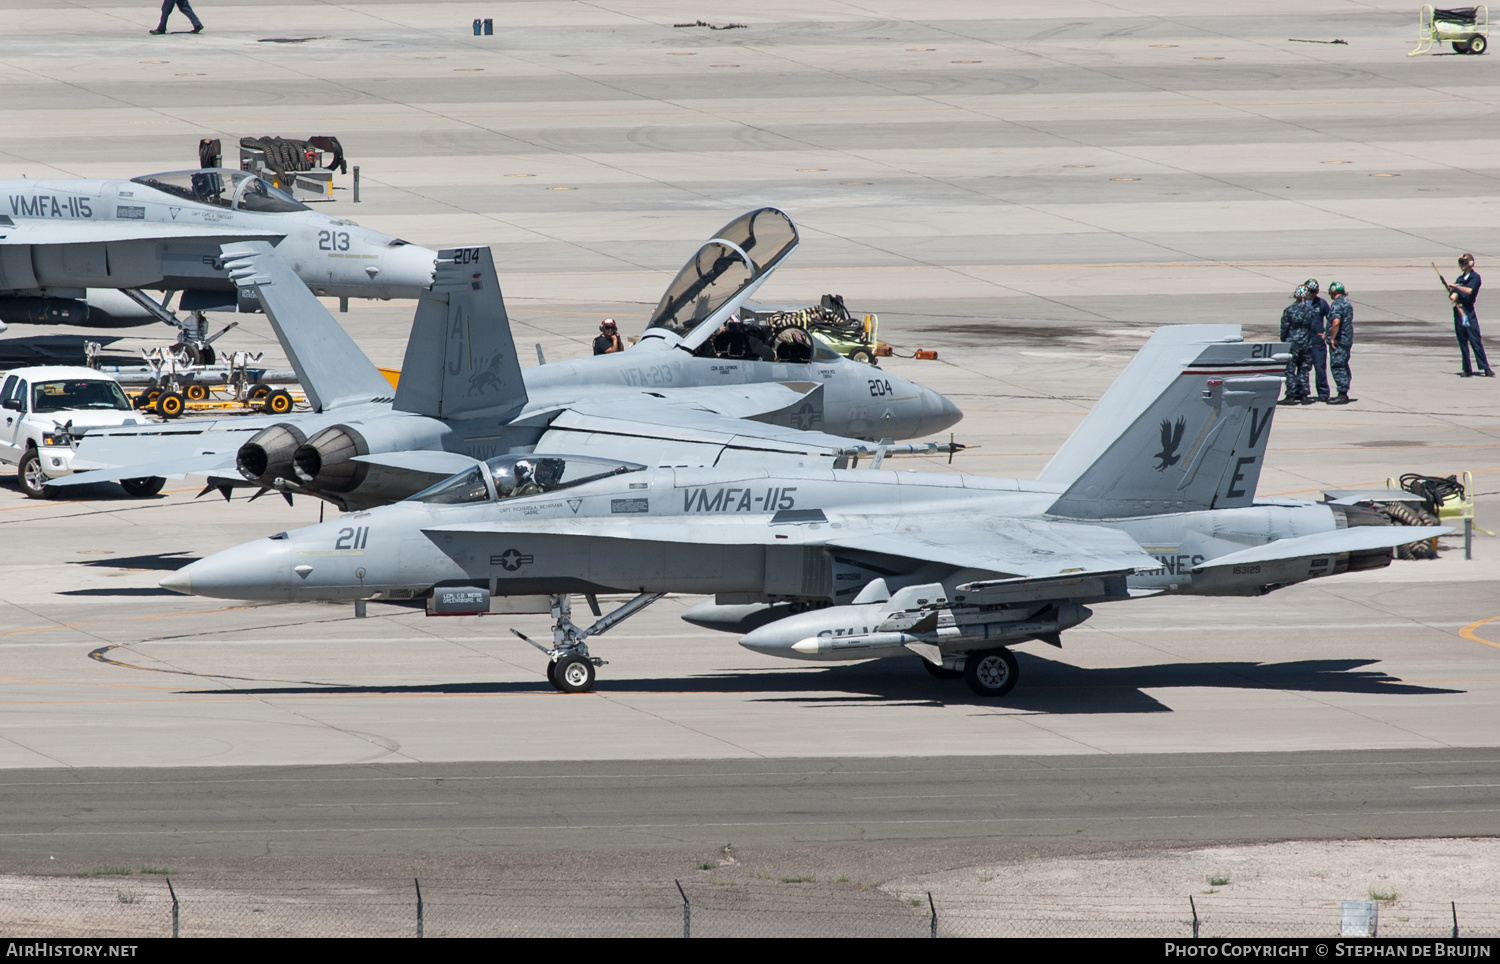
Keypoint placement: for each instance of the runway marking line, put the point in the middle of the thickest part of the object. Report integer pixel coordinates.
(1468, 632)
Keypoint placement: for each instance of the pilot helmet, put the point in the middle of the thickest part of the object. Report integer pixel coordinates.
(504, 474)
(607, 323)
(549, 472)
(525, 471)
(1311, 284)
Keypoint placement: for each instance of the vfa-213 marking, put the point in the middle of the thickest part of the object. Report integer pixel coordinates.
(738, 500)
(649, 375)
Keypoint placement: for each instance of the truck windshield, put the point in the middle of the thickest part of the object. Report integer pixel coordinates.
(77, 393)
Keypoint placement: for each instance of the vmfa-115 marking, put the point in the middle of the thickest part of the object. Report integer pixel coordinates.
(59, 238)
(464, 397)
(1154, 493)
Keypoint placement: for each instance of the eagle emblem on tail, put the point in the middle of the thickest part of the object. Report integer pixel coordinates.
(1171, 439)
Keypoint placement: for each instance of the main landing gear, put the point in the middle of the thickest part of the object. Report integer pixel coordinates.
(987, 672)
(571, 668)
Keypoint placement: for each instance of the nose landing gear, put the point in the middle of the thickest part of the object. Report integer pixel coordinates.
(571, 669)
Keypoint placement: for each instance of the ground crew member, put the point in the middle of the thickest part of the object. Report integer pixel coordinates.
(185, 7)
(1340, 340)
(1318, 342)
(1463, 291)
(1296, 330)
(608, 341)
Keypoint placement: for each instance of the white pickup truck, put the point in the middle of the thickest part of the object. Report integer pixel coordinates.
(42, 408)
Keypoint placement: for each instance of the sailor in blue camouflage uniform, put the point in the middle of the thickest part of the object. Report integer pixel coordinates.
(1318, 344)
(1340, 341)
(1296, 331)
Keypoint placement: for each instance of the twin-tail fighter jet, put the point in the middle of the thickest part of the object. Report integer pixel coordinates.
(1154, 493)
(672, 399)
(61, 238)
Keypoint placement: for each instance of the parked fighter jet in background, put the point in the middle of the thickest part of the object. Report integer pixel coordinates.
(164, 231)
(463, 395)
(955, 568)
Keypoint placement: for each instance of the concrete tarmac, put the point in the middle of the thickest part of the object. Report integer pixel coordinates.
(1029, 195)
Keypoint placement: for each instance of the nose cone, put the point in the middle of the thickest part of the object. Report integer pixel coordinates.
(259, 570)
(941, 412)
(406, 271)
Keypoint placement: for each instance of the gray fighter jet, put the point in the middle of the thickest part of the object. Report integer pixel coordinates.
(672, 399)
(1153, 494)
(59, 238)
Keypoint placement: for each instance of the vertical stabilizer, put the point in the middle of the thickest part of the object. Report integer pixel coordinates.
(1169, 350)
(461, 360)
(1198, 444)
(330, 366)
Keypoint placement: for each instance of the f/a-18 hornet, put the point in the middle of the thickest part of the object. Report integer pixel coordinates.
(672, 399)
(1154, 493)
(60, 238)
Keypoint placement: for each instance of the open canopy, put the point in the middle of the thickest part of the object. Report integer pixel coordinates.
(723, 273)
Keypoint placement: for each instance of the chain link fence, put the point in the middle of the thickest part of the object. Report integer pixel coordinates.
(105, 907)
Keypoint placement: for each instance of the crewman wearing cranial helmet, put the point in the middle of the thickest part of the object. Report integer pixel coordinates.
(1340, 341)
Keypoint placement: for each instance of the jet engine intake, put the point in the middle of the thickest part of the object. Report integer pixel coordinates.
(268, 455)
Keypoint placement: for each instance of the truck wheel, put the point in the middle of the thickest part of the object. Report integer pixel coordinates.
(862, 355)
(33, 480)
(279, 402)
(197, 393)
(169, 404)
(143, 487)
(1479, 45)
(1459, 47)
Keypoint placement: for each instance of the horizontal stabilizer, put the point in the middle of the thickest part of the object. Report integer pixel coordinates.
(213, 464)
(1358, 539)
(331, 368)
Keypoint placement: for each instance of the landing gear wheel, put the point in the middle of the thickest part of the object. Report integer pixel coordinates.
(169, 404)
(992, 672)
(279, 402)
(942, 672)
(552, 675)
(197, 393)
(188, 354)
(31, 477)
(143, 487)
(573, 674)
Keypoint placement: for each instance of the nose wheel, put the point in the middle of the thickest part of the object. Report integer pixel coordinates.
(572, 674)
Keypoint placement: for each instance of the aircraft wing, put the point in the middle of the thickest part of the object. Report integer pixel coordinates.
(221, 463)
(1357, 539)
(673, 433)
(199, 447)
(95, 232)
(1021, 547)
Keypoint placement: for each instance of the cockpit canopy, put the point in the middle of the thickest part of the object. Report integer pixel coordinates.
(238, 190)
(515, 476)
(742, 252)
